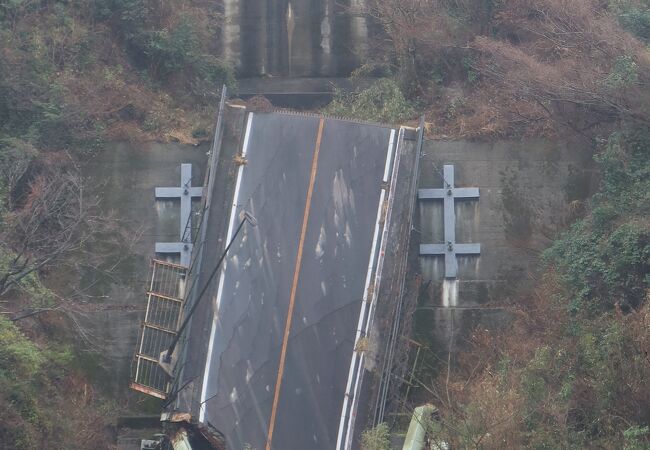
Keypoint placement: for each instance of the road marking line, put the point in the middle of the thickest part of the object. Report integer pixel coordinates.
(376, 283)
(364, 303)
(231, 224)
(294, 286)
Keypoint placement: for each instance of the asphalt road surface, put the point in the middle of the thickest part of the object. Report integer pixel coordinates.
(289, 297)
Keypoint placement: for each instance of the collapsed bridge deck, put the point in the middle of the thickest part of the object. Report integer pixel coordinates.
(273, 358)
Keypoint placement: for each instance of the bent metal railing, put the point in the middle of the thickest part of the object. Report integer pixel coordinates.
(161, 321)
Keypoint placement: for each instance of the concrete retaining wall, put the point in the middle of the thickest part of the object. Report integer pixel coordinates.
(123, 177)
(529, 191)
(295, 38)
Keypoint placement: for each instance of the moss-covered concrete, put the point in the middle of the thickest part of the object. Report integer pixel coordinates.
(112, 286)
(528, 193)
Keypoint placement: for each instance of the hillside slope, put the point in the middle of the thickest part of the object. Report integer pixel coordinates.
(572, 370)
(74, 74)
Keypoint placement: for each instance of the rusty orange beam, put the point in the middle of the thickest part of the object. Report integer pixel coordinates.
(147, 390)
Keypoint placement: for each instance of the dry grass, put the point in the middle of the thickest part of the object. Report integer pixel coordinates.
(534, 68)
(493, 402)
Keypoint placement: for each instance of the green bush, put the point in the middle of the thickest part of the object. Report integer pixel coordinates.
(381, 102)
(634, 15)
(377, 438)
(174, 49)
(19, 357)
(29, 396)
(624, 73)
(167, 43)
(20, 364)
(605, 258)
(591, 369)
(532, 379)
(32, 101)
(635, 437)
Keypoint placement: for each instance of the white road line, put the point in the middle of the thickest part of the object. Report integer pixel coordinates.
(231, 225)
(375, 293)
(362, 314)
(391, 145)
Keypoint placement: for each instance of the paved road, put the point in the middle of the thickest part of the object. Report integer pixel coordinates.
(314, 186)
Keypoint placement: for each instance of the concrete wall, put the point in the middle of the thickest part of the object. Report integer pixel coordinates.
(528, 192)
(295, 38)
(123, 177)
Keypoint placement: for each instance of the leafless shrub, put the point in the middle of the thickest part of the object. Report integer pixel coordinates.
(54, 219)
(570, 59)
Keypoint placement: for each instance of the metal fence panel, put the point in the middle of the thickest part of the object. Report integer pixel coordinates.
(162, 319)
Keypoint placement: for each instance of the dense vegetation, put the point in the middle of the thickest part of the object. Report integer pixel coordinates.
(572, 370)
(485, 68)
(73, 74)
(46, 403)
(75, 71)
